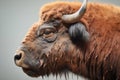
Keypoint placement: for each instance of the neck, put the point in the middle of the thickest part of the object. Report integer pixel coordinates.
(76, 60)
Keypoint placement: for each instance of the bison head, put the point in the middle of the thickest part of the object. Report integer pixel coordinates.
(53, 45)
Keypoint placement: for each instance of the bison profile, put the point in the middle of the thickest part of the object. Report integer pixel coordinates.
(70, 36)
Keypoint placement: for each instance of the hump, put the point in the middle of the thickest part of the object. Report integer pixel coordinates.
(59, 8)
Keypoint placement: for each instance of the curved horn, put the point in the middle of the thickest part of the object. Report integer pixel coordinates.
(71, 18)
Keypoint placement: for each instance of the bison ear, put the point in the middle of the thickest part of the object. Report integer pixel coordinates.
(78, 33)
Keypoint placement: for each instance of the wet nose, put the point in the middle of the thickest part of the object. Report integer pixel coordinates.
(19, 58)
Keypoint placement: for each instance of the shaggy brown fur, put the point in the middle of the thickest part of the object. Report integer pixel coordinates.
(95, 13)
(101, 59)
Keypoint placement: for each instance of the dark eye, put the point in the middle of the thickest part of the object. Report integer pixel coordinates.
(47, 32)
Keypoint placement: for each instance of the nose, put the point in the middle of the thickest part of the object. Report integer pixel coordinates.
(18, 56)
(19, 59)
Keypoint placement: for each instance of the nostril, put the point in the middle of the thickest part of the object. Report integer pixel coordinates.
(18, 56)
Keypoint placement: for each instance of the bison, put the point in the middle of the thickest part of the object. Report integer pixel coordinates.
(83, 38)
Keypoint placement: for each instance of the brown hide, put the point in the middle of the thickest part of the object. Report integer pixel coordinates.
(102, 55)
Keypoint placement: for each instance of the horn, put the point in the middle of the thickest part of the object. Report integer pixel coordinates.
(72, 18)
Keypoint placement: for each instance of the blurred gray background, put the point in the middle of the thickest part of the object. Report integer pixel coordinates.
(16, 16)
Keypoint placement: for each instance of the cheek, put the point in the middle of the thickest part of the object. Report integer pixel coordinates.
(43, 47)
(61, 46)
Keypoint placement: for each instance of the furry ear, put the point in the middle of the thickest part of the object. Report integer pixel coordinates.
(78, 32)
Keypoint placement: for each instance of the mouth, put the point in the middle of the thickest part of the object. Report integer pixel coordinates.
(31, 72)
(34, 71)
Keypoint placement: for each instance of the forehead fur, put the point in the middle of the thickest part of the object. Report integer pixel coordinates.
(56, 9)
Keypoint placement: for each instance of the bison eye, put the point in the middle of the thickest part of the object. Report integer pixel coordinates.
(48, 34)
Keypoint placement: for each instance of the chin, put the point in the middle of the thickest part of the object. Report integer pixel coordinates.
(31, 72)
